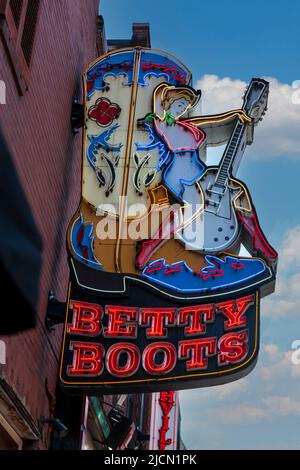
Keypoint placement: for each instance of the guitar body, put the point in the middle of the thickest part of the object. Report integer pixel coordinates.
(217, 227)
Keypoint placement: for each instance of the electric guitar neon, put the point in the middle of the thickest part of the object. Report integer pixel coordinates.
(220, 190)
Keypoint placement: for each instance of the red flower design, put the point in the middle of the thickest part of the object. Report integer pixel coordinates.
(104, 112)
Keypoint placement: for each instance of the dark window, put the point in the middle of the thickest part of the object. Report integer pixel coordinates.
(16, 10)
(18, 28)
(29, 29)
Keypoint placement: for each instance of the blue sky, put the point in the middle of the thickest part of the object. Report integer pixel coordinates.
(225, 44)
(235, 39)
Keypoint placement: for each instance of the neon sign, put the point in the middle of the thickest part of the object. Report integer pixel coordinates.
(166, 401)
(164, 421)
(122, 346)
(161, 297)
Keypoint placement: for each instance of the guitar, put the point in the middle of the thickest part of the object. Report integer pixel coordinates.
(219, 225)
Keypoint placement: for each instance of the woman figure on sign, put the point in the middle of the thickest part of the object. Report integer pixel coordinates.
(183, 164)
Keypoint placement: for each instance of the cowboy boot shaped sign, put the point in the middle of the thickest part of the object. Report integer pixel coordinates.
(160, 295)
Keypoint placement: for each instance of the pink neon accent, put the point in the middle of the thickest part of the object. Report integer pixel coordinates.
(213, 273)
(156, 267)
(149, 246)
(237, 265)
(173, 70)
(198, 134)
(173, 269)
(259, 239)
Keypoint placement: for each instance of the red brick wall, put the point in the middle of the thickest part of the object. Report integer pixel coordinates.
(48, 159)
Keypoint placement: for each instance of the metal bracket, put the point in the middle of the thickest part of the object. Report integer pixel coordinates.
(56, 311)
(77, 115)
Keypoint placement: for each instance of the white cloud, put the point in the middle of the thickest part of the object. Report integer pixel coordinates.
(282, 406)
(220, 94)
(272, 351)
(290, 251)
(280, 366)
(267, 409)
(286, 301)
(262, 400)
(237, 414)
(278, 134)
(218, 393)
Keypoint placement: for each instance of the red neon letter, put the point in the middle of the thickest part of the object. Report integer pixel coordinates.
(121, 322)
(87, 359)
(86, 319)
(233, 348)
(163, 442)
(194, 351)
(195, 316)
(235, 311)
(157, 318)
(166, 402)
(149, 356)
(113, 359)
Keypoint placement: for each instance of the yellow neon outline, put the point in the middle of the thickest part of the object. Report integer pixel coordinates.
(127, 156)
(244, 189)
(65, 330)
(166, 378)
(181, 217)
(152, 205)
(198, 211)
(216, 118)
(165, 88)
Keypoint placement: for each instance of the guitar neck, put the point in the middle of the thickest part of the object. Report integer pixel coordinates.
(230, 154)
(255, 105)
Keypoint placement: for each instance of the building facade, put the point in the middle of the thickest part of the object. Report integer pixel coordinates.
(44, 47)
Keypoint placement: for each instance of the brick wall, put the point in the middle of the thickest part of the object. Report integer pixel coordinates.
(48, 159)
